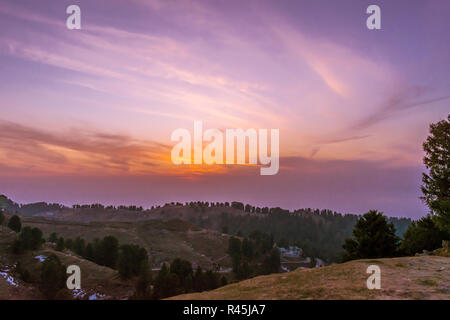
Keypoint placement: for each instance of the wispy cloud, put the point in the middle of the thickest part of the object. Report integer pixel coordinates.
(77, 151)
(396, 104)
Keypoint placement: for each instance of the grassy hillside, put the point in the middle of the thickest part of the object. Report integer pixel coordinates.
(320, 233)
(423, 277)
(163, 240)
(97, 281)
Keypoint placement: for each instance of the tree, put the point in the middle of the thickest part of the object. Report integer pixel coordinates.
(2, 217)
(15, 224)
(22, 272)
(244, 271)
(109, 251)
(237, 205)
(17, 246)
(166, 283)
(53, 237)
(272, 262)
(31, 238)
(423, 235)
(79, 246)
(199, 280)
(142, 287)
(183, 270)
(212, 280)
(313, 262)
(28, 239)
(89, 252)
(60, 244)
(223, 281)
(224, 229)
(234, 247)
(283, 243)
(247, 248)
(53, 276)
(436, 184)
(131, 260)
(68, 243)
(373, 237)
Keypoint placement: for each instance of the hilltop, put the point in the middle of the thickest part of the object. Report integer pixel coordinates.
(421, 277)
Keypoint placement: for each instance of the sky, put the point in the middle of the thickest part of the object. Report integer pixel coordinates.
(86, 115)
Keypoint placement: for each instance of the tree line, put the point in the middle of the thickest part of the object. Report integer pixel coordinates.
(179, 277)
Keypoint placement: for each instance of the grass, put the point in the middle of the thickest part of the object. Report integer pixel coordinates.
(163, 240)
(401, 278)
(400, 265)
(427, 282)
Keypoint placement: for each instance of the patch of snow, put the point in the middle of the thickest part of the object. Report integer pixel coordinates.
(8, 278)
(95, 296)
(41, 258)
(81, 294)
(78, 293)
(284, 268)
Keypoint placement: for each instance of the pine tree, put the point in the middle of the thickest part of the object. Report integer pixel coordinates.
(60, 244)
(373, 237)
(109, 251)
(436, 184)
(53, 276)
(15, 224)
(53, 237)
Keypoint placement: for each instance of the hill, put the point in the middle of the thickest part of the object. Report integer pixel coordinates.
(422, 277)
(319, 233)
(98, 282)
(163, 240)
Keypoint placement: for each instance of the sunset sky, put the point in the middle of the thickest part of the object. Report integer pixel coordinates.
(86, 115)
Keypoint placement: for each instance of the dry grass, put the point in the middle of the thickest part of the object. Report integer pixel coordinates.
(426, 277)
(163, 240)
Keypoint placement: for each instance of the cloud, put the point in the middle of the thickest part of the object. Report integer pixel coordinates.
(145, 67)
(344, 139)
(77, 151)
(400, 101)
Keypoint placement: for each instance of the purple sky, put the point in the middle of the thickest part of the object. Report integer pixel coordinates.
(87, 114)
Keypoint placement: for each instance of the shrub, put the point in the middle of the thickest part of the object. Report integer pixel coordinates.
(53, 276)
(15, 224)
(423, 235)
